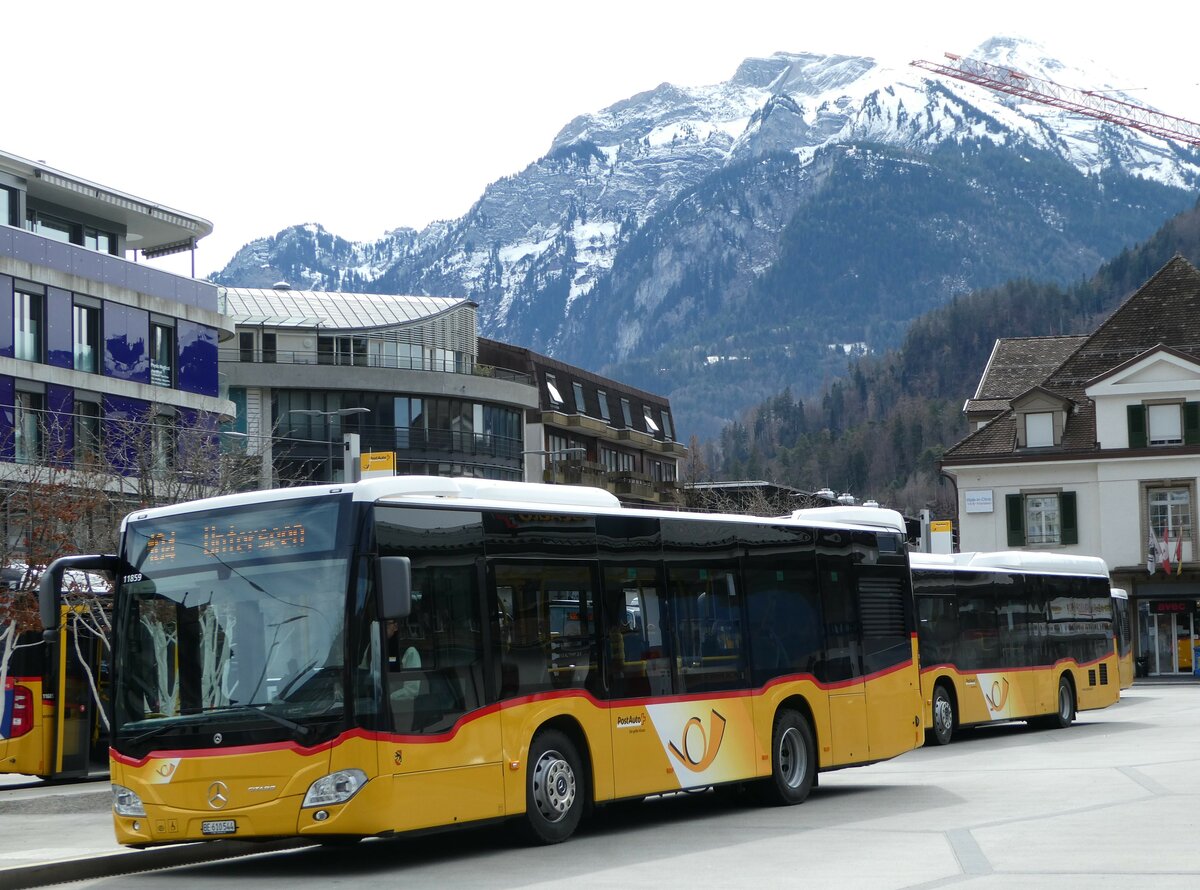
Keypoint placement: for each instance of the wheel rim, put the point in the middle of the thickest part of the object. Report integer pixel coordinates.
(943, 715)
(793, 758)
(1064, 702)
(553, 786)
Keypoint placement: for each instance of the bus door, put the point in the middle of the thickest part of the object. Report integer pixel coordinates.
(637, 669)
(76, 714)
(840, 669)
(893, 693)
(445, 769)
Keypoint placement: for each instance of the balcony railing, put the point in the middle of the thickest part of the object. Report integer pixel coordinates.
(388, 362)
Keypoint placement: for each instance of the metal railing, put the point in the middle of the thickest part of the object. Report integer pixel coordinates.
(387, 362)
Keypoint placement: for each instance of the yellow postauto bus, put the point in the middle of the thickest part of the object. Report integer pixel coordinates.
(398, 654)
(1013, 636)
(1123, 636)
(51, 725)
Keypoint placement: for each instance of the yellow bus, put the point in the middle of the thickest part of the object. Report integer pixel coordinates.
(400, 654)
(1013, 636)
(1123, 636)
(51, 724)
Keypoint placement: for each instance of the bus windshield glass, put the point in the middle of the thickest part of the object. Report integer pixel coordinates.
(233, 617)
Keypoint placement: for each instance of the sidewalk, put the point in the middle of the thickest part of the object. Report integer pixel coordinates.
(51, 833)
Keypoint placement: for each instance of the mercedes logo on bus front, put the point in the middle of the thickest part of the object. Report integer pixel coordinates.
(218, 795)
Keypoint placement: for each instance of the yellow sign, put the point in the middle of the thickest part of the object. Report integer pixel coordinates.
(377, 463)
(941, 525)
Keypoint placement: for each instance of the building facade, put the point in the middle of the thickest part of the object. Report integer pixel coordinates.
(591, 430)
(410, 376)
(1100, 455)
(93, 343)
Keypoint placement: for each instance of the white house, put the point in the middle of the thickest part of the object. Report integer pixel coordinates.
(1100, 457)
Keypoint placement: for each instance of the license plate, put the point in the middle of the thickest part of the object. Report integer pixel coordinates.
(218, 826)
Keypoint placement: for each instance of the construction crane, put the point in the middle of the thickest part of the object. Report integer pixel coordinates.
(1086, 102)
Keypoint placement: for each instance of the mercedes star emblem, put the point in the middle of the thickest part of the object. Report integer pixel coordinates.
(218, 795)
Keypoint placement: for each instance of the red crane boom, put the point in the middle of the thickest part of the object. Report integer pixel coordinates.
(1086, 102)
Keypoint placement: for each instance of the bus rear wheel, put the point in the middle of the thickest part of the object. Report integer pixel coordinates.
(1066, 705)
(943, 716)
(554, 788)
(793, 761)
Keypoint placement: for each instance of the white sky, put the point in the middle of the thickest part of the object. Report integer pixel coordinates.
(365, 117)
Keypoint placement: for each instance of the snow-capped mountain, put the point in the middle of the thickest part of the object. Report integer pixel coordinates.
(718, 243)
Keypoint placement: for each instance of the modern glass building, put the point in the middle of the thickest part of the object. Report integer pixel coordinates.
(94, 343)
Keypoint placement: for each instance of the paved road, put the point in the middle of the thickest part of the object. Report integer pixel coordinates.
(1109, 802)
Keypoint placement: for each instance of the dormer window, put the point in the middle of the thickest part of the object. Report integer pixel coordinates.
(556, 398)
(1164, 424)
(1039, 430)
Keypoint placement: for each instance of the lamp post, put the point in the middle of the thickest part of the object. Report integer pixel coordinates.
(328, 416)
(552, 455)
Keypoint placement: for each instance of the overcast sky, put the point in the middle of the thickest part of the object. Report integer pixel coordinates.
(369, 116)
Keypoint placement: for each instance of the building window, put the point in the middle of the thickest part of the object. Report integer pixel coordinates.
(268, 348)
(557, 446)
(580, 405)
(27, 427)
(1039, 430)
(27, 325)
(9, 202)
(87, 432)
(668, 430)
(651, 426)
(50, 227)
(98, 240)
(87, 338)
(1041, 518)
(602, 398)
(1165, 424)
(556, 398)
(163, 435)
(246, 346)
(162, 355)
(1170, 514)
(625, 413)
(1172, 423)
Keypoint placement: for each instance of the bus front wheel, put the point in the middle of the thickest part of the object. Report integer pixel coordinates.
(554, 788)
(793, 761)
(943, 716)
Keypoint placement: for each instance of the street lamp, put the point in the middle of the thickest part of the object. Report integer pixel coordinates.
(329, 415)
(552, 456)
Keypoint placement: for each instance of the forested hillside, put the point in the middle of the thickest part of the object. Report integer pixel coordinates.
(880, 431)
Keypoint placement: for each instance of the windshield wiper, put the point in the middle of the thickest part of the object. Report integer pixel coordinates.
(260, 708)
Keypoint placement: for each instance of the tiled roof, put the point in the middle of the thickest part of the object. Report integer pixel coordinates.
(1165, 310)
(1016, 365)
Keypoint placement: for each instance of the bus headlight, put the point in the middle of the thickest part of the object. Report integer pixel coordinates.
(126, 802)
(334, 788)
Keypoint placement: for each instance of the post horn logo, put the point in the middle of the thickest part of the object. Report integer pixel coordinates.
(997, 696)
(699, 750)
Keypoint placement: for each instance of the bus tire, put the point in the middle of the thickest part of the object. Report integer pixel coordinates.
(1065, 713)
(555, 789)
(944, 718)
(793, 761)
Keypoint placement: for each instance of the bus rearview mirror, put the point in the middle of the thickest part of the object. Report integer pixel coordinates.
(395, 586)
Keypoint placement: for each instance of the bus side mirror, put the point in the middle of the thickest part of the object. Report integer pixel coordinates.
(50, 584)
(395, 586)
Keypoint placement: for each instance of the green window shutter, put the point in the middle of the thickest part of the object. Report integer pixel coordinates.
(1070, 519)
(1137, 425)
(1015, 507)
(1191, 423)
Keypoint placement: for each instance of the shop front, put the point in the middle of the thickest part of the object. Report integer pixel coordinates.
(1167, 637)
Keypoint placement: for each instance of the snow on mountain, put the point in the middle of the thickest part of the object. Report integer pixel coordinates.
(645, 204)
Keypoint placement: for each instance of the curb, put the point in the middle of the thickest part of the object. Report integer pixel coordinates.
(18, 877)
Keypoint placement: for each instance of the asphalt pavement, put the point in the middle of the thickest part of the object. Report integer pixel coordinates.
(1110, 801)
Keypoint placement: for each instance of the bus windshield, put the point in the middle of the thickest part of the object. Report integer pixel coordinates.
(235, 618)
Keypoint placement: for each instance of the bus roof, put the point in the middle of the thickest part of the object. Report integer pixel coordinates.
(877, 517)
(1013, 561)
(1119, 594)
(469, 491)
